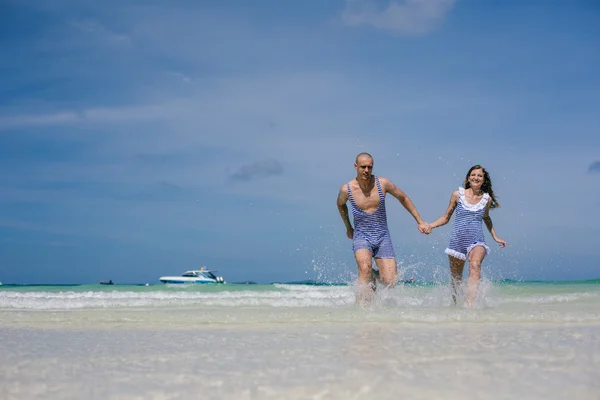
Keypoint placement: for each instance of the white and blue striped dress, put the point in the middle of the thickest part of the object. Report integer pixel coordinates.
(468, 226)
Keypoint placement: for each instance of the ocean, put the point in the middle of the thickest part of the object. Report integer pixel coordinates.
(529, 340)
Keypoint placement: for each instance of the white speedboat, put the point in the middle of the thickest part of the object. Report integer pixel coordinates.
(196, 276)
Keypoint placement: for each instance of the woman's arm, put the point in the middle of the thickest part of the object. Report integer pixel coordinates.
(490, 226)
(443, 220)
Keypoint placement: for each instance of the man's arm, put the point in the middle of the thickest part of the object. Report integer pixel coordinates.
(406, 203)
(342, 199)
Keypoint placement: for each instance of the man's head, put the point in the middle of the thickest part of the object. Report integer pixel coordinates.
(364, 165)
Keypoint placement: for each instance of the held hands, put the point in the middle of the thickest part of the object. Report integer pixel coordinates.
(424, 228)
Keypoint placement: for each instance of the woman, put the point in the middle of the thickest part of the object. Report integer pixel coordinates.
(472, 204)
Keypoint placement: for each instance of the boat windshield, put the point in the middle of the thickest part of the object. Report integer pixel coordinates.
(210, 275)
(196, 274)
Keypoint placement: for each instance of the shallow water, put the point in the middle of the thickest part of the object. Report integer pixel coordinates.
(534, 341)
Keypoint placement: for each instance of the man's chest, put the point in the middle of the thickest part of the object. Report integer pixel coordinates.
(366, 200)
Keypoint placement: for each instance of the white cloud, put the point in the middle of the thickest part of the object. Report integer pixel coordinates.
(98, 31)
(412, 17)
(19, 121)
(181, 77)
(87, 116)
(258, 169)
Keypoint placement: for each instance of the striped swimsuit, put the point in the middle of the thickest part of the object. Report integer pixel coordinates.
(468, 227)
(371, 230)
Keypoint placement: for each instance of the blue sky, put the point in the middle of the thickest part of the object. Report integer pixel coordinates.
(140, 139)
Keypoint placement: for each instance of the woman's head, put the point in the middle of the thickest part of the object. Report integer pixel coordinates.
(476, 172)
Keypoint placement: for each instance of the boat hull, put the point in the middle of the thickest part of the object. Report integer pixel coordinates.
(177, 280)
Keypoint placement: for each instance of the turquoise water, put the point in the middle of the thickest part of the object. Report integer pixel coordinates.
(568, 299)
(531, 340)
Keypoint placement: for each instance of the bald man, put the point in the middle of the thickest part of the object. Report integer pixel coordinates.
(370, 235)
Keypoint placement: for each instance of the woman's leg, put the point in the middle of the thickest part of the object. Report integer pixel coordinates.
(456, 272)
(476, 256)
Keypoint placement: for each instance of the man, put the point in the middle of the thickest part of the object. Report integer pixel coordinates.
(371, 237)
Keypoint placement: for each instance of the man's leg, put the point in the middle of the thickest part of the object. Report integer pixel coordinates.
(385, 258)
(365, 285)
(388, 272)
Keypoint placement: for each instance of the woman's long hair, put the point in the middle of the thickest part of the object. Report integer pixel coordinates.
(486, 187)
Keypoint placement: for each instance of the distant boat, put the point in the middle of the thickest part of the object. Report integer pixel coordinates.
(197, 276)
(107, 283)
